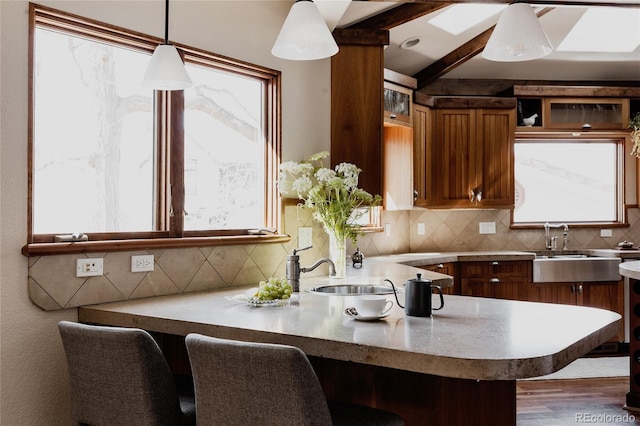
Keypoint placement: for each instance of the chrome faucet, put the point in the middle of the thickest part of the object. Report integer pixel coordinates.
(293, 268)
(552, 243)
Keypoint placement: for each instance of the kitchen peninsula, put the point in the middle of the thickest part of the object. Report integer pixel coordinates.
(457, 367)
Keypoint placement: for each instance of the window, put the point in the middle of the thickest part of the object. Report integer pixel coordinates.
(562, 180)
(116, 161)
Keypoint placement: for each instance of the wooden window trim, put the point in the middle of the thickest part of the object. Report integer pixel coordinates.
(169, 221)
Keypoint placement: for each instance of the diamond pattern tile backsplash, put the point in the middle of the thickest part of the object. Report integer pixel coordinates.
(53, 285)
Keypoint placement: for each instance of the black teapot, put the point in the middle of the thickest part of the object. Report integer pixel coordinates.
(417, 296)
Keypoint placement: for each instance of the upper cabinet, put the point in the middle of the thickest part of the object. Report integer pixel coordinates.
(397, 104)
(584, 108)
(463, 152)
(585, 114)
(371, 123)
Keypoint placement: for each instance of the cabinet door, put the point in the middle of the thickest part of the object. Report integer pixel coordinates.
(398, 167)
(422, 126)
(496, 131)
(470, 158)
(585, 113)
(456, 158)
(495, 288)
(397, 104)
(607, 295)
(560, 293)
(447, 269)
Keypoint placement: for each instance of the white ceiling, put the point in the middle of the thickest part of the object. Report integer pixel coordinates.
(436, 43)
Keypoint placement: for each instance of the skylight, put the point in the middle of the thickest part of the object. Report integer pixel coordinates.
(604, 30)
(460, 17)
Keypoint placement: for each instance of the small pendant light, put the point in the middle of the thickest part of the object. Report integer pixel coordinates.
(304, 35)
(166, 70)
(518, 36)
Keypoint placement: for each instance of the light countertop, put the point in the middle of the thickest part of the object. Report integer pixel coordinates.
(471, 338)
(630, 269)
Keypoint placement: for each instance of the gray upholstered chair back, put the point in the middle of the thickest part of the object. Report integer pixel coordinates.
(118, 377)
(242, 383)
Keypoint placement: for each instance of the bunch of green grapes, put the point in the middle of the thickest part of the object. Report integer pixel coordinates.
(275, 288)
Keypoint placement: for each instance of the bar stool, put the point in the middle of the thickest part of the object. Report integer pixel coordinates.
(119, 376)
(242, 383)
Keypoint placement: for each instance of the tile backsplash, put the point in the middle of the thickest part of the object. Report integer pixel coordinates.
(53, 285)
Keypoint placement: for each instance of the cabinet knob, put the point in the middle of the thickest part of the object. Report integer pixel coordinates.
(440, 266)
(494, 280)
(392, 115)
(495, 263)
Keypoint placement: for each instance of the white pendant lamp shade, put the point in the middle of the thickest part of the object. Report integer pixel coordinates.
(517, 36)
(304, 35)
(166, 70)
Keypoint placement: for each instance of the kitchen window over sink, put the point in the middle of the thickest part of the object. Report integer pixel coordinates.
(569, 180)
(116, 161)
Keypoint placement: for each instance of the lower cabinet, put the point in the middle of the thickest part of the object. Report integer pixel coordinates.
(447, 269)
(607, 295)
(496, 279)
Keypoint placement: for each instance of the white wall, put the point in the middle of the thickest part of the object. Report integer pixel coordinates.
(33, 381)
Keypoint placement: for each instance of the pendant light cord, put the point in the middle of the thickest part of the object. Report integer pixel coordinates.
(166, 22)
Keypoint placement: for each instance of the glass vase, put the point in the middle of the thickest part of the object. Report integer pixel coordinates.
(338, 253)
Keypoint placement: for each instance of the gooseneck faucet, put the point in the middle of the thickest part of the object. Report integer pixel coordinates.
(550, 243)
(293, 268)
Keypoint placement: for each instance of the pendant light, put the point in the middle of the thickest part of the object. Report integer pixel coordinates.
(166, 70)
(518, 36)
(304, 35)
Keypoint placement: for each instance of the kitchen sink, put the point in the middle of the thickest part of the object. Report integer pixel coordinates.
(576, 267)
(351, 289)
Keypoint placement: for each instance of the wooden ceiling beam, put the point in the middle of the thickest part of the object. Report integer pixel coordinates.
(458, 57)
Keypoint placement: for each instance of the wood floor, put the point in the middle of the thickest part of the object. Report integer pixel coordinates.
(575, 401)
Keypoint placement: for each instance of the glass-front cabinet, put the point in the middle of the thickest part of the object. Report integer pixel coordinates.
(573, 114)
(397, 104)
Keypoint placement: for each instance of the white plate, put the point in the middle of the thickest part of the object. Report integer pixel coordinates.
(352, 313)
(247, 298)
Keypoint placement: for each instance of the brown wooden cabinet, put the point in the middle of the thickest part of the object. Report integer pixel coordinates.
(496, 279)
(607, 295)
(463, 153)
(447, 269)
(357, 111)
(397, 154)
(397, 104)
(585, 113)
(363, 133)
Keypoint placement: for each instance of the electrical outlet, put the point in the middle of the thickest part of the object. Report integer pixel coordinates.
(487, 228)
(305, 237)
(387, 229)
(606, 233)
(142, 263)
(89, 267)
(421, 229)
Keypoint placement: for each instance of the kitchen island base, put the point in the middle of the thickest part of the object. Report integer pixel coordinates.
(420, 399)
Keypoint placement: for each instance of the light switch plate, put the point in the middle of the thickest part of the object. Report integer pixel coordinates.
(487, 227)
(387, 229)
(305, 237)
(606, 233)
(421, 229)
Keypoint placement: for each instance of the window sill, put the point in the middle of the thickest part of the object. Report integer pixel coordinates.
(48, 249)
